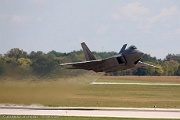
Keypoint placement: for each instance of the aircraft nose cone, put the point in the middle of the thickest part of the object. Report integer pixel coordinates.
(140, 53)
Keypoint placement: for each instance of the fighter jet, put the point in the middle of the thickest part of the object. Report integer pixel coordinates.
(126, 59)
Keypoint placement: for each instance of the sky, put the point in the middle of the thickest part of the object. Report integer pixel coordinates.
(153, 26)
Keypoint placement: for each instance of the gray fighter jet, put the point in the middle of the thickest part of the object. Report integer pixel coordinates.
(126, 59)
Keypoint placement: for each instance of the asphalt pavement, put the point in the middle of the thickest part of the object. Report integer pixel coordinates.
(91, 111)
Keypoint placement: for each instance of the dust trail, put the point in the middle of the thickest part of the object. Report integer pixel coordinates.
(22, 105)
(51, 90)
(76, 76)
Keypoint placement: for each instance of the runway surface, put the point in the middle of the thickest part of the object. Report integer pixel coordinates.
(92, 111)
(113, 83)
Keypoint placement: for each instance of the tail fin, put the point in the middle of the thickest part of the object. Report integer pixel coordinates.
(123, 48)
(88, 54)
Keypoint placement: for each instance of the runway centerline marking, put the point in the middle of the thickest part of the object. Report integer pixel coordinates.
(113, 83)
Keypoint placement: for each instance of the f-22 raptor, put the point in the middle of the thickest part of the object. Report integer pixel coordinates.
(126, 59)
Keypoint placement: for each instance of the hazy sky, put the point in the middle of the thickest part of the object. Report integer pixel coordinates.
(153, 26)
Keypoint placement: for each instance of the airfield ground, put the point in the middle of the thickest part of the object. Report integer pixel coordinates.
(73, 93)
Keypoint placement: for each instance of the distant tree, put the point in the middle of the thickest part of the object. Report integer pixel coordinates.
(177, 72)
(147, 57)
(24, 63)
(2, 66)
(42, 63)
(16, 53)
(175, 57)
(140, 71)
(57, 54)
(159, 71)
(170, 67)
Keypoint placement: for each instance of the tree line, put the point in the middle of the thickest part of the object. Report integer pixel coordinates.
(17, 62)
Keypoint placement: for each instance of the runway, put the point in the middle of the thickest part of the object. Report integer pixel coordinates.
(92, 112)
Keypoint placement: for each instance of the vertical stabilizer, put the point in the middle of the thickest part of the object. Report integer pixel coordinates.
(88, 54)
(123, 48)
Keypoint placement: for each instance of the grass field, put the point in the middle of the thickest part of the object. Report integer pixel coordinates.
(14, 117)
(79, 93)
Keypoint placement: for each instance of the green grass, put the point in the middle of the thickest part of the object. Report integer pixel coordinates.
(131, 96)
(77, 93)
(25, 117)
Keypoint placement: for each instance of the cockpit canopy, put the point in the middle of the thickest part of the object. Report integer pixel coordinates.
(132, 47)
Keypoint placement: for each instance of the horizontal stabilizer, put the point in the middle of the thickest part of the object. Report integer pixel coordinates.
(145, 65)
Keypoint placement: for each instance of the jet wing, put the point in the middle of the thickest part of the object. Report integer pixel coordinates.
(145, 65)
(102, 65)
(95, 65)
